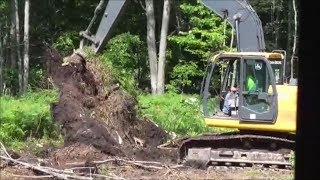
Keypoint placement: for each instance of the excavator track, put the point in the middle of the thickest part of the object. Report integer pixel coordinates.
(237, 149)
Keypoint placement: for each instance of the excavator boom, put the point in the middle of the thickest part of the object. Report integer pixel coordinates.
(238, 13)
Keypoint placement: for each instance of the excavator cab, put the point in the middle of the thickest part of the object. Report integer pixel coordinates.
(260, 102)
(254, 99)
(245, 82)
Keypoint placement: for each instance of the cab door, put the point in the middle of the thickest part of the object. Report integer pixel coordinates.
(258, 95)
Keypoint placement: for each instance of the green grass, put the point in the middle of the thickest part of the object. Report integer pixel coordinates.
(175, 113)
(293, 159)
(27, 117)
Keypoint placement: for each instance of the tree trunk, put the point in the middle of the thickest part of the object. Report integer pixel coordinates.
(232, 37)
(5, 44)
(277, 26)
(151, 41)
(13, 35)
(289, 40)
(18, 51)
(163, 47)
(26, 46)
(178, 14)
(234, 74)
(1, 59)
(224, 32)
(294, 37)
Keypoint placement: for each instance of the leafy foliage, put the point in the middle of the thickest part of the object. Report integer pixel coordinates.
(3, 9)
(10, 79)
(278, 23)
(126, 55)
(292, 159)
(202, 33)
(175, 113)
(182, 73)
(37, 78)
(67, 42)
(27, 117)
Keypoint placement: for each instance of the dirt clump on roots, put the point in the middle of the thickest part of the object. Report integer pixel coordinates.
(97, 116)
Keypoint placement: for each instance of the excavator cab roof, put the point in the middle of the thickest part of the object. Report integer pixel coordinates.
(231, 55)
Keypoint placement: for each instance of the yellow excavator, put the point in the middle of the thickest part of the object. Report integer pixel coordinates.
(264, 116)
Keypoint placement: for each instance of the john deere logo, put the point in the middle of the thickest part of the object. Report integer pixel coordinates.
(258, 66)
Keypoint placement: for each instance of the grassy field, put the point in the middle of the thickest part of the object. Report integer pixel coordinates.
(27, 118)
(177, 113)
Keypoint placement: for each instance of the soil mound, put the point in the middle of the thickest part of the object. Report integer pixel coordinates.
(94, 115)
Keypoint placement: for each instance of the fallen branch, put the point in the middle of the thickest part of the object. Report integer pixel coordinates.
(31, 177)
(79, 168)
(47, 170)
(61, 176)
(105, 176)
(128, 161)
(69, 173)
(142, 164)
(4, 150)
(77, 164)
(173, 143)
(164, 146)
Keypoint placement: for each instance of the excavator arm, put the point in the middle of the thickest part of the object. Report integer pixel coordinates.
(238, 13)
(242, 17)
(110, 17)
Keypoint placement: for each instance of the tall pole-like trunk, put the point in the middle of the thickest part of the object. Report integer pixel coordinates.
(26, 46)
(151, 42)
(1, 59)
(289, 40)
(177, 12)
(234, 65)
(232, 37)
(295, 36)
(163, 46)
(18, 50)
(234, 73)
(273, 20)
(277, 26)
(6, 44)
(12, 35)
(224, 32)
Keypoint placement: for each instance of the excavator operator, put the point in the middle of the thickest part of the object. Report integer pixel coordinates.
(251, 85)
(229, 100)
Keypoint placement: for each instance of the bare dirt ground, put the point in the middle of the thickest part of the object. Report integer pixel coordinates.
(80, 157)
(116, 171)
(105, 139)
